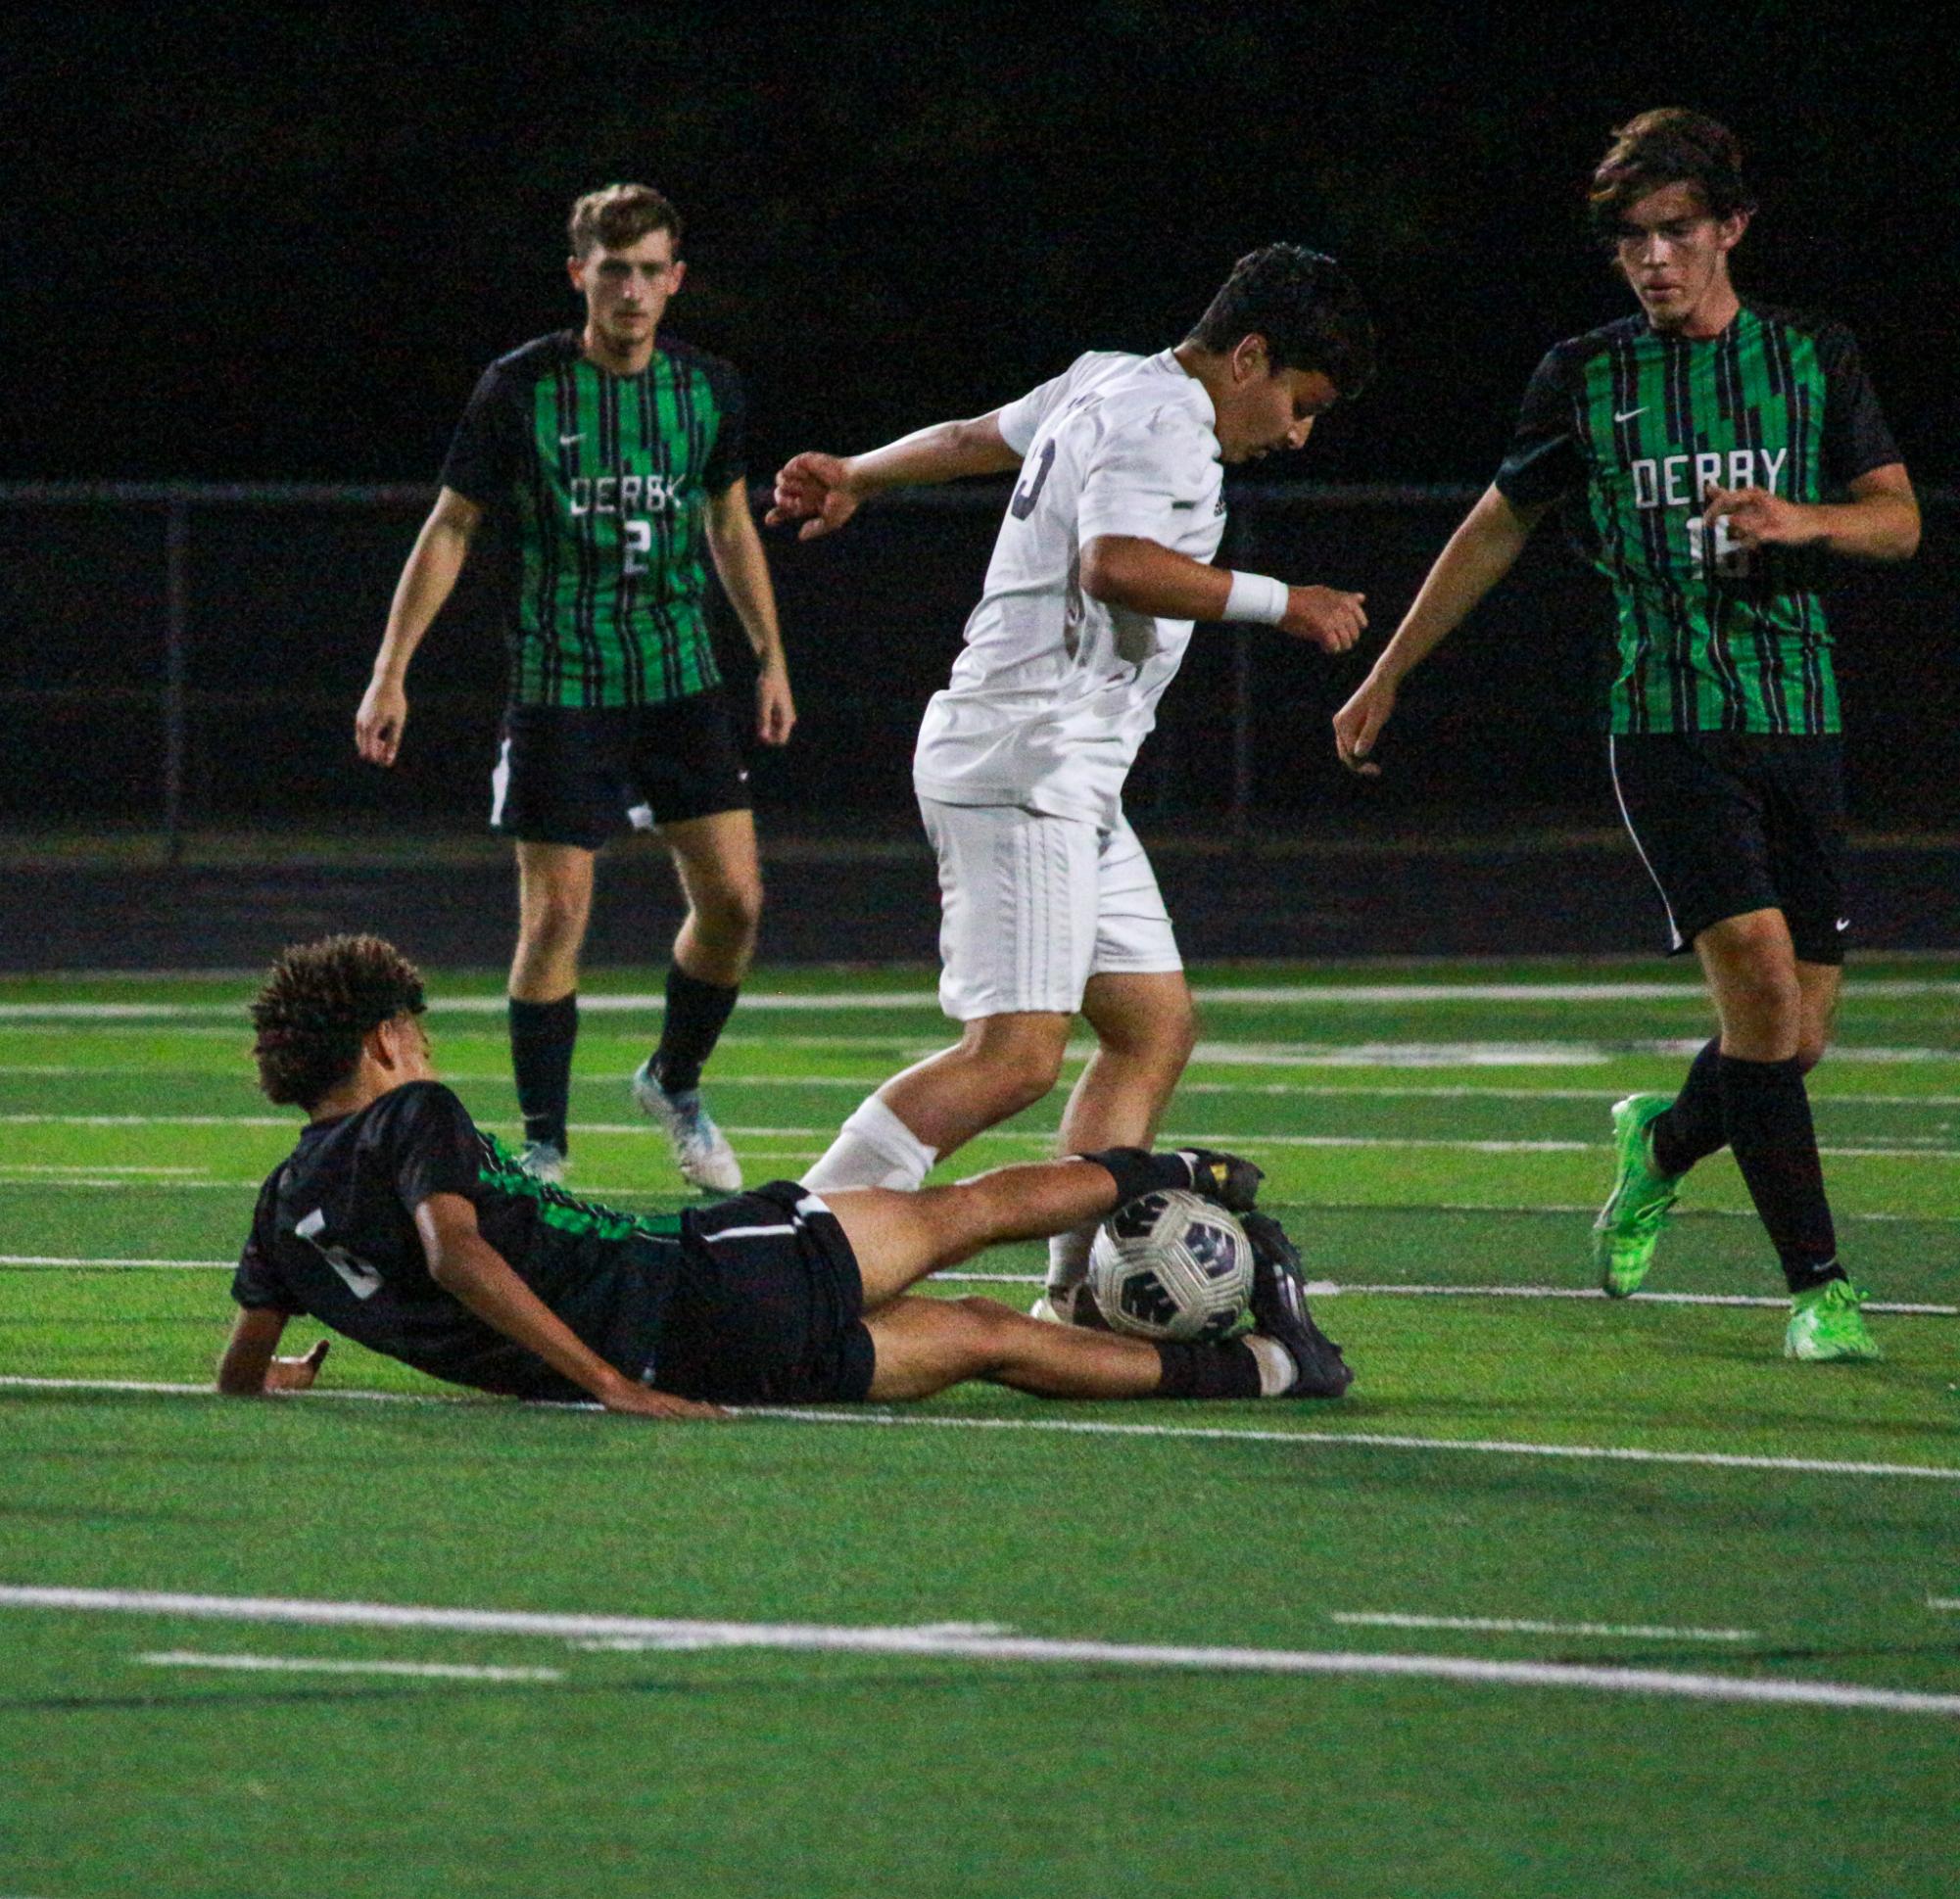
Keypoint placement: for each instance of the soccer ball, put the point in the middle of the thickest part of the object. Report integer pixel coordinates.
(1171, 1266)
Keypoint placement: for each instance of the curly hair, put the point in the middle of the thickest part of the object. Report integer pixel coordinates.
(1670, 145)
(318, 1000)
(1304, 305)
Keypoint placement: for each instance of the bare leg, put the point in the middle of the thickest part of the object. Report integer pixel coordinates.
(1820, 983)
(999, 1066)
(721, 876)
(899, 1238)
(925, 1345)
(1751, 974)
(553, 905)
(1145, 1028)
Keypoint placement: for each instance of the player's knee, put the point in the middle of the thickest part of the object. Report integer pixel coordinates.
(988, 1328)
(552, 919)
(730, 911)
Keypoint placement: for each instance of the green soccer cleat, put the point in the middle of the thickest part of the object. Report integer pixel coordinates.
(1630, 1222)
(1826, 1324)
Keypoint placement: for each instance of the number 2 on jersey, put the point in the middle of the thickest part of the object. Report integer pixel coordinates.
(639, 538)
(1026, 496)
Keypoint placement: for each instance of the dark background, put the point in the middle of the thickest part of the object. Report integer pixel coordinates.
(278, 243)
(281, 249)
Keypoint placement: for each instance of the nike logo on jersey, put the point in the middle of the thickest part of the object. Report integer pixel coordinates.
(1628, 414)
(1843, 923)
(566, 441)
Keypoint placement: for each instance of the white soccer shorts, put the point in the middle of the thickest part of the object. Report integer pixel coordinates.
(1032, 906)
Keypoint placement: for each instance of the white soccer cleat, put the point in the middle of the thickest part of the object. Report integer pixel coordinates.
(701, 1149)
(544, 1162)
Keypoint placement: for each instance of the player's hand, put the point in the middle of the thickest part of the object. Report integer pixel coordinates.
(1358, 722)
(296, 1374)
(642, 1402)
(1757, 518)
(1324, 617)
(815, 489)
(775, 709)
(377, 725)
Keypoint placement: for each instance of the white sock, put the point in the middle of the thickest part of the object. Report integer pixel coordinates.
(1069, 1258)
(873, 1149)
(1277, 1369)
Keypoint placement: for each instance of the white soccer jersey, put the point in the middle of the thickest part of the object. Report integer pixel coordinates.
(1055, 691)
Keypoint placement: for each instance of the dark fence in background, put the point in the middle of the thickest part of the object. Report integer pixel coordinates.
(179, 657)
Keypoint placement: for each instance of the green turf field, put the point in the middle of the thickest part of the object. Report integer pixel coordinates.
(1567, 1598)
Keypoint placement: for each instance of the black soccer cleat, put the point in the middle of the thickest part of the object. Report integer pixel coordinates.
(1223, 1177)
(1279, 1311)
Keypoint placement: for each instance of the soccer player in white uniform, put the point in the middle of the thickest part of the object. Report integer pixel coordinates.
(1050, 907)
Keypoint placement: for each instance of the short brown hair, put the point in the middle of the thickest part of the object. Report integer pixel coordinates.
(616, 215)
(318, 1000)
(1670, 145)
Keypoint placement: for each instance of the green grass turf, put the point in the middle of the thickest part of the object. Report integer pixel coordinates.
(767, 1773)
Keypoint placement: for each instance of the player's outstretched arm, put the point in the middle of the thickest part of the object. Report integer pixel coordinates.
(249, 1368)
(428, 579)
(1878, 522)
(1129, 571)
(822, 491)
(1480, 553)
(744, 568)
(465, 1264)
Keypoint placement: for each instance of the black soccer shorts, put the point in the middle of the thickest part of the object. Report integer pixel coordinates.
(768, 1309)
(579, 775)
(1728, 823)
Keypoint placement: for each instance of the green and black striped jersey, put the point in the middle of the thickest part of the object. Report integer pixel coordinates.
(1712, 638)
(603, 481)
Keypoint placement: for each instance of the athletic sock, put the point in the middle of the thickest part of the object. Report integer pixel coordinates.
(696, 1014)
(1228, 1370)
(542, 1036)
(1069, 1258)
(1766, 1111)
(1136, 1170)
(873, 1149)
(1693, 1127)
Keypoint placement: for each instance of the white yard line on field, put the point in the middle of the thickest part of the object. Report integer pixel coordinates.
(1504, 1626)
(322, 1665)
(1874, 1147)
(822, 1638)
(1222, 995)
(1094, 1428)
(1317, 1288)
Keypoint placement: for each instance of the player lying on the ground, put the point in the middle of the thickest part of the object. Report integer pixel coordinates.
(397, 1222)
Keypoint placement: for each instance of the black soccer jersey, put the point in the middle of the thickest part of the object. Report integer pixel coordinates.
(603, 481)
(1712, 638)
(334, 1236)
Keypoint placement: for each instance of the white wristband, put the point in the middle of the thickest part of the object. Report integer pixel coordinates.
(1258, 598)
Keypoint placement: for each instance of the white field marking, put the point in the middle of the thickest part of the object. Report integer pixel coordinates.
(1500, 1625)
(1226, 995)
(1942, 1602)
(820, 1639)
(1084, 1427)
(1317, 1288)
(43, 1169)
(1903, 1147)
(1299, 1054)
(646, 1644)
(322, 1665)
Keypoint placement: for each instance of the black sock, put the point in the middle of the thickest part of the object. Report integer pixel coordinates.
(1136, 1170)
(542, 1035)
(697, 1012)
(1766, 1111)
(1693, 1128)
(1228, 1370)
